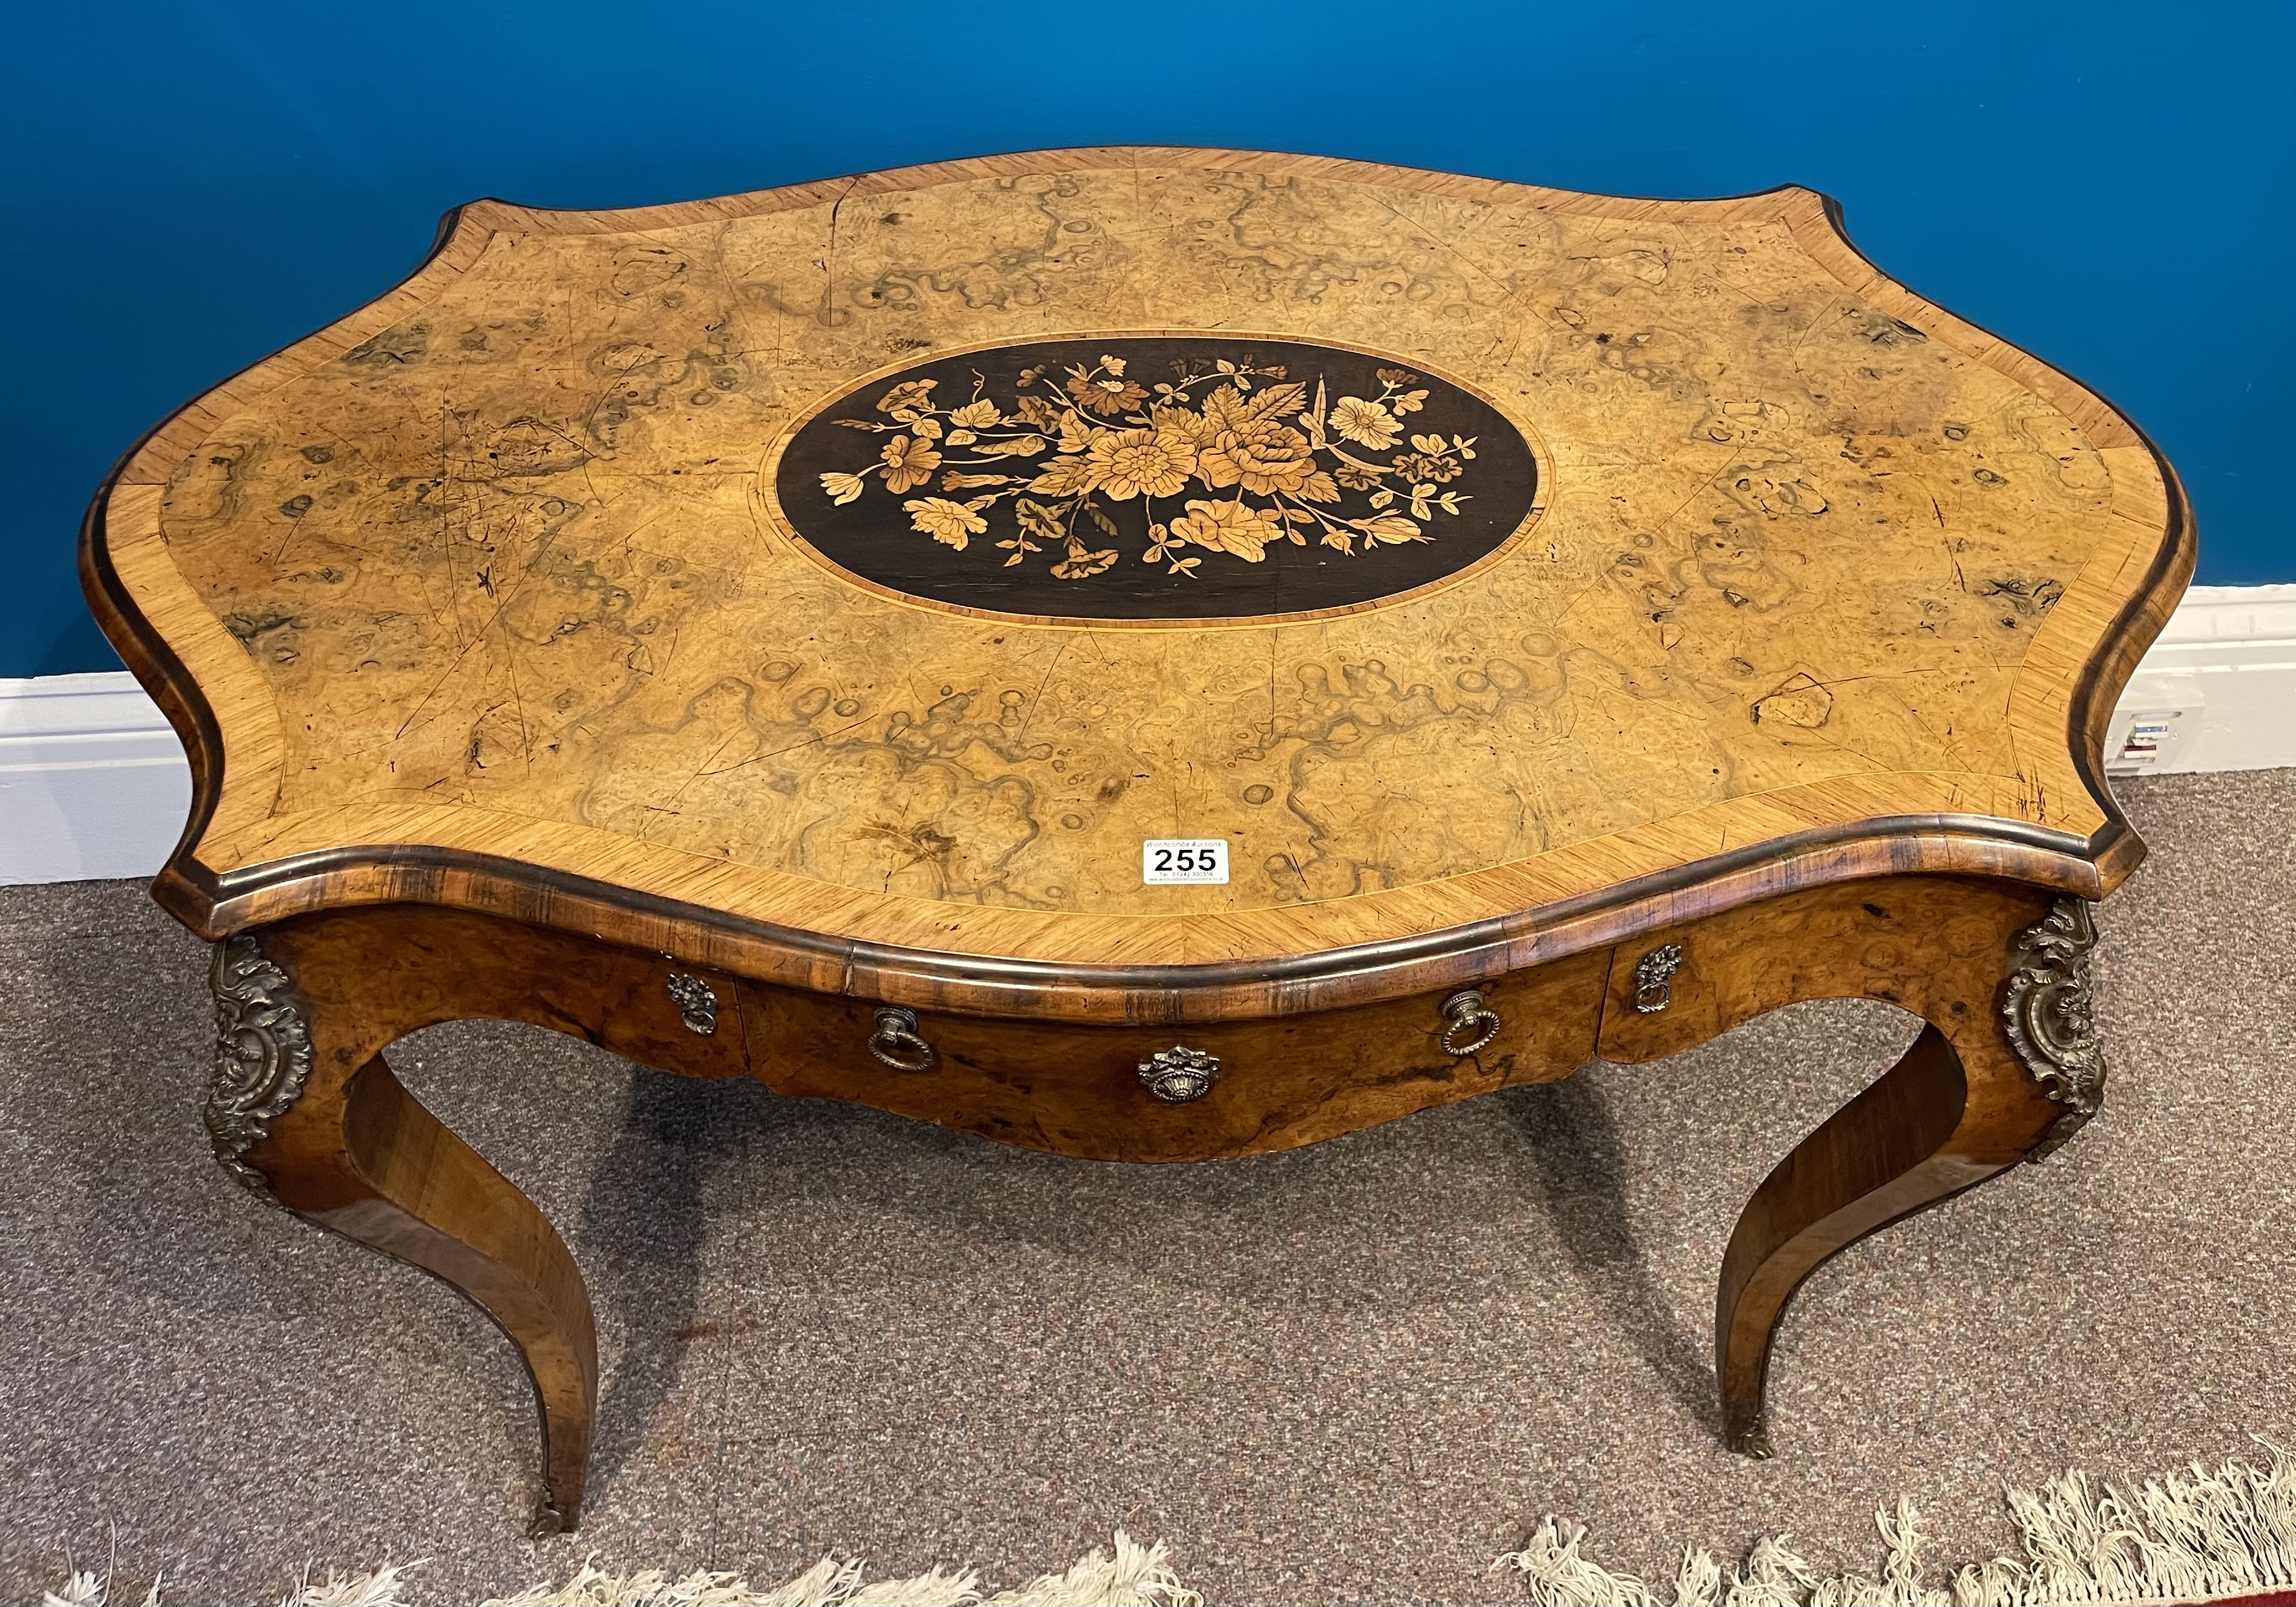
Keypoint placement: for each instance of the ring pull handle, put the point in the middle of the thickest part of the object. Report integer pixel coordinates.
(896, 1042)
(1465, 1013)
(1655, 979)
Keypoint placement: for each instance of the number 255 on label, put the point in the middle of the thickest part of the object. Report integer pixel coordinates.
(1183, 859)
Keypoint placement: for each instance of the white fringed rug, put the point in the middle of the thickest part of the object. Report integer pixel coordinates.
(2222, 1536)
(2227, 1536)
(1135, 1576)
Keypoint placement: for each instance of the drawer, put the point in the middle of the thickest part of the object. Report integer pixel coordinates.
(1077, 1090)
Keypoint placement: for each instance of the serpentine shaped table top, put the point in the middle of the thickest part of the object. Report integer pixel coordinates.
(873, 566)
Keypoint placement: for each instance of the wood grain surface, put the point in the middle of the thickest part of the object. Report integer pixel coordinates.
(486, 594)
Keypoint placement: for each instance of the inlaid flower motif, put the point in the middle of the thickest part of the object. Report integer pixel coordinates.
(1261, 460)
(1127, 463)
(1419, 466)
(1365, 423)
(911, 395)
(1250, 448)
(1278, 451)
(1229, 527)
(1104, 390)
(951, 523)
(908, 462)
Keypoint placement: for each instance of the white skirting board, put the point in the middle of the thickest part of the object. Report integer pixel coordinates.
(2217, 692)
(93, 782)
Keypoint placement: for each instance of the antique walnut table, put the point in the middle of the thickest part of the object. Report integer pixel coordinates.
(1146, 654)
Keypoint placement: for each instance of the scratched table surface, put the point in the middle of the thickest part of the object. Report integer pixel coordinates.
(891, 558)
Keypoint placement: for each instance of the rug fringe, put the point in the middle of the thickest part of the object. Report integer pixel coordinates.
(1560, 1577)
(1137, 1575)
(2195, 1537)
(84, 1589)
(1134, 1576)
(376, 1589)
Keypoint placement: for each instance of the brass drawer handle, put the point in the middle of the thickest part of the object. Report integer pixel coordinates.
(1179, 1074)
(896, 1041)
(1464, 1012)
(697, 1005)
(1655, 979)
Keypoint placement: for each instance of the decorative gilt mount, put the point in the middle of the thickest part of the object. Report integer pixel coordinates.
(262, 1056)
(1655, 979)
(1179, 1074)
(2048, 1007)
(696, 1002)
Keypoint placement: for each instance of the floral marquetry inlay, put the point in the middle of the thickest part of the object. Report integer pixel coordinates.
(1148, 464)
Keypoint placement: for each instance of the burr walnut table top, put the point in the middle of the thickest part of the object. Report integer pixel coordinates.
(847, 579)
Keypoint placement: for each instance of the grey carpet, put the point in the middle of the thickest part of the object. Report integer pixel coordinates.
(1355, 1372)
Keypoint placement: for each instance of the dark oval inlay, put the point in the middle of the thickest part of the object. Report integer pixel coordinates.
(1157, 477)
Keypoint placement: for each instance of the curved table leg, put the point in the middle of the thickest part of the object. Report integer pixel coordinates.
(304, 1110)
(1990, 1081)
(1885, 1155)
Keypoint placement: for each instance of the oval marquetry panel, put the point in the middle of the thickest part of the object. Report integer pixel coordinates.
(1157, 478)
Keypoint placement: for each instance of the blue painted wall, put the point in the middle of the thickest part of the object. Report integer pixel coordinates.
(187, 186)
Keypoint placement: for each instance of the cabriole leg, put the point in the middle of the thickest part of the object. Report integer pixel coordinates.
(1990, 1081)
(304, 1110)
